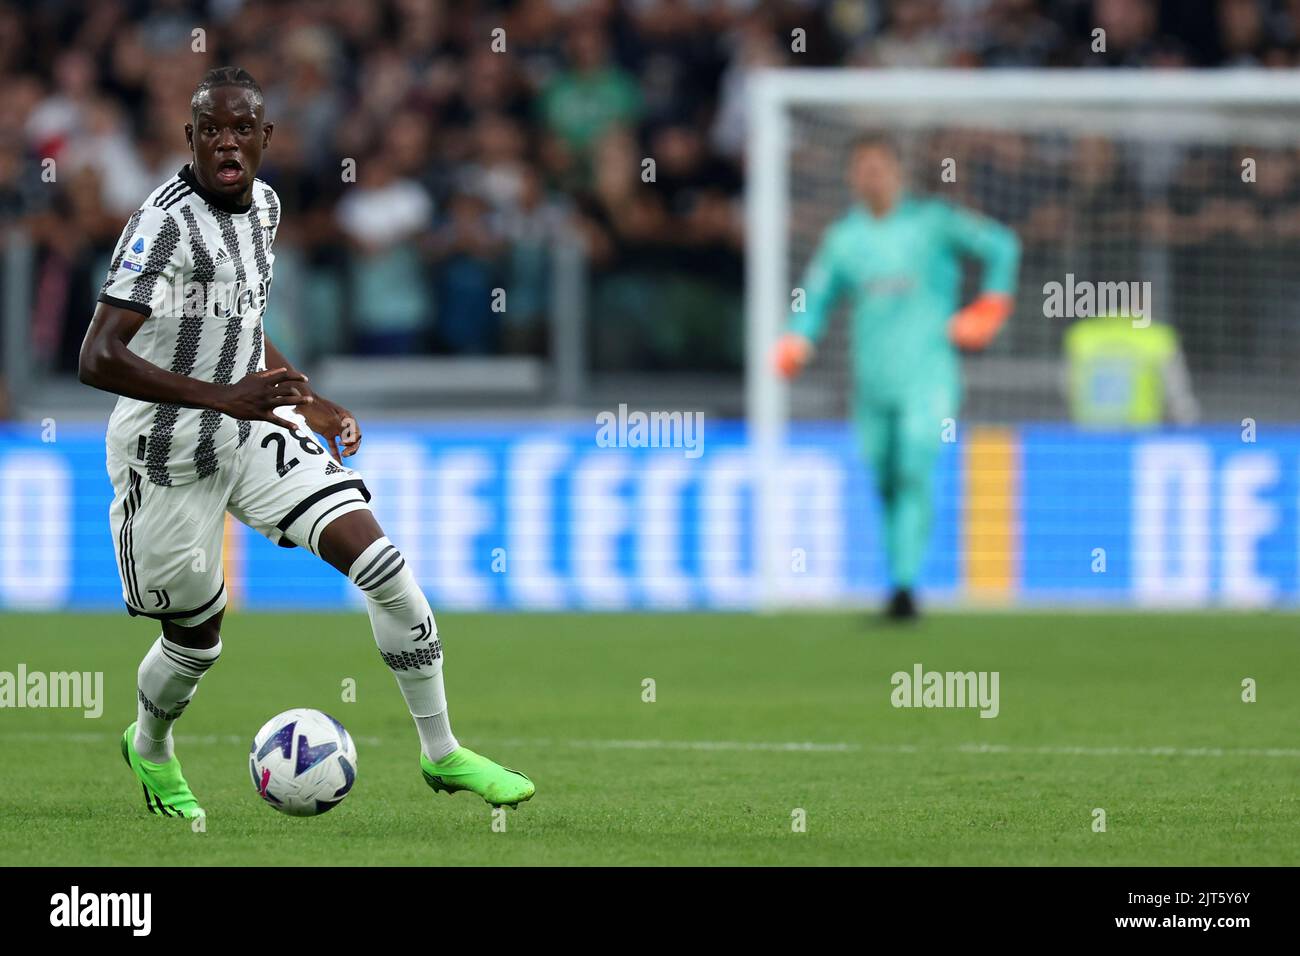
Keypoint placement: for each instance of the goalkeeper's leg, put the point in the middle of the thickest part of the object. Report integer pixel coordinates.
(902, 441)
(878, 430)
(918, 437)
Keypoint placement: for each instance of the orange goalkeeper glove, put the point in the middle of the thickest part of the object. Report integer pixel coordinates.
(791, 354)
(974, 327)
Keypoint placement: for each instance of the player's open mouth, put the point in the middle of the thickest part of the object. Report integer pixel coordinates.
(230, 171)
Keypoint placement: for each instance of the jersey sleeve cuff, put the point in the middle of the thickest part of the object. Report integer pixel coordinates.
(127, 304)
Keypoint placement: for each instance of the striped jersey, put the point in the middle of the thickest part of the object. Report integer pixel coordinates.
(199, 268)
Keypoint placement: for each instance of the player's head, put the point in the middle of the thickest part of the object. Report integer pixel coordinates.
(875, 171)
(227, 132)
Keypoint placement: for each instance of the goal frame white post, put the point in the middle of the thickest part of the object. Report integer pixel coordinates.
(924, 93)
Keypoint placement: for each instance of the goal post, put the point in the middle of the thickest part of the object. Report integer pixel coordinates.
(1120, 175)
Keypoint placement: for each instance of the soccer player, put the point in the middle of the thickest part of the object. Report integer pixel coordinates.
(898, 257)
(212, 419)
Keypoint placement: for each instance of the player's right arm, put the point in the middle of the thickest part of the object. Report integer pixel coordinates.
(150, 263)
(107, 363)
(821, 286)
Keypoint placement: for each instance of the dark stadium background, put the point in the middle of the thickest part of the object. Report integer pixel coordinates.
(491, 165)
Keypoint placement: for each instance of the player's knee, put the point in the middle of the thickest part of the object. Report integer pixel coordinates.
(350, 533)
(189, 660)
(203, 635)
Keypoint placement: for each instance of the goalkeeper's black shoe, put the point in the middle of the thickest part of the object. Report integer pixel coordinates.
(902, 606)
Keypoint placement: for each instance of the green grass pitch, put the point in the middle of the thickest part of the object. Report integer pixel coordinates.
(705, 774)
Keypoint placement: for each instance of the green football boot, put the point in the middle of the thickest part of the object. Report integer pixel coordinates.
(165, 789)
(463, 769)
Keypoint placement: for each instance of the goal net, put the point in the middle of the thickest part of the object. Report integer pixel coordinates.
(1183, 188)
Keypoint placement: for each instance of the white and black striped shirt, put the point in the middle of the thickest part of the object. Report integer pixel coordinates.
(200, 269)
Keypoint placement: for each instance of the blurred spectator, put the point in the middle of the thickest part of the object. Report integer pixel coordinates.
(380, 217)
(467, 246)
(1241, 31)
(700, 194)
(1018, 34)
(1130, 33)
(60, 115)
(496, 171)
(101, 143)
(306, 100)
(533, 225)
(589, 97)
(753, 48)
(912, 38)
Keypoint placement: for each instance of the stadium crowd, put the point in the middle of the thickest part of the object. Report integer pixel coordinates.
(473, 159)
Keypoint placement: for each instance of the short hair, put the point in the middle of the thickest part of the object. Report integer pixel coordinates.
(226, 76)
(875, 141)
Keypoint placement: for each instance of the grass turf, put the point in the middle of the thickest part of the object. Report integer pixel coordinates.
(697, 776)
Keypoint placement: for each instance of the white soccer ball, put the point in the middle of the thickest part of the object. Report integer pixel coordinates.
(303, 762)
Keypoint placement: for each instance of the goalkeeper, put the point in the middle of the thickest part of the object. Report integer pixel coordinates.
(898, 257)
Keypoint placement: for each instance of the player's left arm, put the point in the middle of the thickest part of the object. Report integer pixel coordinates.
(997, 248)
(330, 420)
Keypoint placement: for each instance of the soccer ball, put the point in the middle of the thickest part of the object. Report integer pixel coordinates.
(303, 762)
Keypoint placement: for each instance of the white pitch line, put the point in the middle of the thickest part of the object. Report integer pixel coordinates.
(729, 746)
(734, 745)
(1133, 751)
(806, 747)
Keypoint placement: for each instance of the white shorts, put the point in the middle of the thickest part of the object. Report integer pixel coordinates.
(168, 538)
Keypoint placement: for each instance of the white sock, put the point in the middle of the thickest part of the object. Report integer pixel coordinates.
(165, 683)
(436, 740)
(408, 641)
